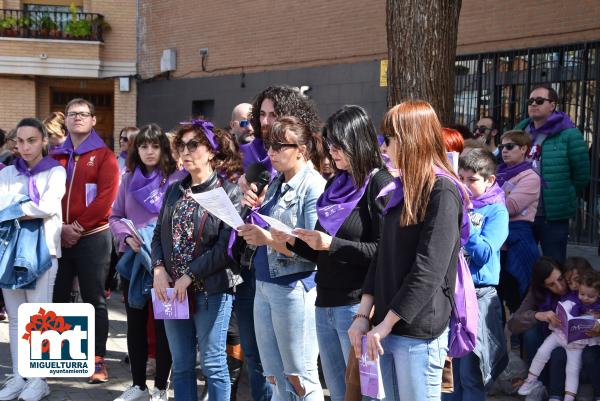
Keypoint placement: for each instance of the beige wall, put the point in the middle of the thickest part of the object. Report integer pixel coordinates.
(125, 109)
(19, 101)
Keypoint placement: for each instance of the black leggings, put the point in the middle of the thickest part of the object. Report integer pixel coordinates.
(137, 345)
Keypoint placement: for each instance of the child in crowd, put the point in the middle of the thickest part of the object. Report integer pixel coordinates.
(488, 231)
(575, 268)
(586, 302)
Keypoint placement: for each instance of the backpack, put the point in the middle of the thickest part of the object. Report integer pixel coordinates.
(464, 318)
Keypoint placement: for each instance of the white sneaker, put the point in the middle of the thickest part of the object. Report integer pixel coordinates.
(159, 395)
(133, 393)
(537, 394)
(12, 387)
(528, 386)
(35, 389)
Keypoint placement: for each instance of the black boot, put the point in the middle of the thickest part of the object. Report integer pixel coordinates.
(235, 371)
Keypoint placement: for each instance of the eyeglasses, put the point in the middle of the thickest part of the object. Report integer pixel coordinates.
(278, 146)
(482, 128)
(191, 146)
(123, 138)
(508, 146)
(244, 123)
(537, 100)
(81, 114)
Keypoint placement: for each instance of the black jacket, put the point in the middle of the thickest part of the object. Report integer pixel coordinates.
(212, 267)
(416, 264)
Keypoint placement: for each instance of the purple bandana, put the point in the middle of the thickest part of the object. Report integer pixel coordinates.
(123, 154)
(255, 152)
(398, 196)
(148, 191)
(92, 142)
(493, 195)
(506, 172)
(207, 127)
(556, 123)
(338, 201)
(45, 164)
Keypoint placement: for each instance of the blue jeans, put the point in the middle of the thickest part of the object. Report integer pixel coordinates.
(209, 327)
(334, 344)
(468, 383)
(287, 339)
(416, 365)
(243, 307)
(552, 236)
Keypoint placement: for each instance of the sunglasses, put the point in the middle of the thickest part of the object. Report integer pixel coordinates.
(537, 100)
(191, 146)
(244, 123)
(277, 146)
(507, 146)
(482, 129)
(123, 138)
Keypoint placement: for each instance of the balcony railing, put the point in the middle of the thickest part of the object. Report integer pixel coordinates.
(52, 25)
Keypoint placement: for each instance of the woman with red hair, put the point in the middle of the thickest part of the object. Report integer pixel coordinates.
(453, 140)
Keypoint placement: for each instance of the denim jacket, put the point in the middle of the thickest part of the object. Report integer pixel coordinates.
(137, 268)
(24, 254)
(296, 206)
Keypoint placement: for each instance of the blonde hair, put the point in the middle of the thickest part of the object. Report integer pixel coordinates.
(55, 124)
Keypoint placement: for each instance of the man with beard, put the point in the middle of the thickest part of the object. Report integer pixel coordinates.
(486, 131)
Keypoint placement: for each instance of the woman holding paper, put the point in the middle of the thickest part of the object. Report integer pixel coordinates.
(42, 179)
(150, 170)
(189, 250)
(416, 259)
(345, 237)
(284, 311)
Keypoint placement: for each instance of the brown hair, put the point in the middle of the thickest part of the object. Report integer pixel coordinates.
(151, 133)
(520, 138)
(55, 124)
(130, 132)
(579, 264)
(301, 134)
(420, 147)
(225, 160)
(591, 279)
(78, 101)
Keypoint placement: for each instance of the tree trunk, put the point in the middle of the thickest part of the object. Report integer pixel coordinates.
(421, 38)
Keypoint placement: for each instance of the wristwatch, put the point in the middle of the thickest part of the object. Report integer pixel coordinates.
(158, 263)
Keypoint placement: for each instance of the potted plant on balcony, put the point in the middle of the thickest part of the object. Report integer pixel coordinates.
(24, 24)
(47, 26)
(77, 28)
(8, 26)
(99, 27)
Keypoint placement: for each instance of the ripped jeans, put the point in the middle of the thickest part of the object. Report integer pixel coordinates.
(284, 322)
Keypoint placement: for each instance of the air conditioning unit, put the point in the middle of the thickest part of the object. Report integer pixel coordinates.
(168, 61)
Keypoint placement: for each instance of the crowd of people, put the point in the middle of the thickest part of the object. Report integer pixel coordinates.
(381, 225)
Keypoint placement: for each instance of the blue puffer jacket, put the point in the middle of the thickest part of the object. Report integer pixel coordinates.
(24, 254)
(137, 268)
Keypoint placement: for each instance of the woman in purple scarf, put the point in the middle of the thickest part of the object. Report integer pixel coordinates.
(150, 170)
(345, 237)
(521, 185)
(126, 138)
(42, 179)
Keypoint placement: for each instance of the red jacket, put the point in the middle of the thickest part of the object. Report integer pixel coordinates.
(100, 171)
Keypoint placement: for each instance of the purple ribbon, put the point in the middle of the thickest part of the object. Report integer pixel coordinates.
(337, 202)
(45, 164)
(397, 189)
(494, 195)
(207, 127)
(92, 142)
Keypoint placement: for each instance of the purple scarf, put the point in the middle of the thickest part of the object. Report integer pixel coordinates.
(338, 201)
(92, 142)
(398, 196)
(556, 123)
(493, 195)
(148, 191)
(254, 152)
(506, 172)
(45, 164)
(123, 154)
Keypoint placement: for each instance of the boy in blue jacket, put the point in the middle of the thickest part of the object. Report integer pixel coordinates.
(489, 229)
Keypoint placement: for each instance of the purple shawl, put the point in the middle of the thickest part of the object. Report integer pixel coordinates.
(148, 191)
(506, 172)
(556, 123)
(45, 164)
(92, 142)
(254, 152)
(338, 201)
(493, 195)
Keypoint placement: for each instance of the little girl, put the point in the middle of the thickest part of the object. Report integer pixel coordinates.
(587, 302)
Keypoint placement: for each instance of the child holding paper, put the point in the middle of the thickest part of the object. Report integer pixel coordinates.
(587, 302)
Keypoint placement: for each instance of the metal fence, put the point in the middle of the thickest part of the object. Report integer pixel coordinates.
(498, 85)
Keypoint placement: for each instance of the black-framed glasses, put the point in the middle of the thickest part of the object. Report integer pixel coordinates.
(244, 123)
(278, 146)
(81, 114)
(191, 145)
(482, 128)
(537, 100)
(507, 146)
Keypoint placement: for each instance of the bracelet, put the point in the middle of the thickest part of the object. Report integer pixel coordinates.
(360, 315)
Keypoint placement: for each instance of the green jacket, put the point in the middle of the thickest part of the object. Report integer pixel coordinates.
(565, 169)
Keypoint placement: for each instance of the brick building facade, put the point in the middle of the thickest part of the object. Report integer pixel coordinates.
(40, 72)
